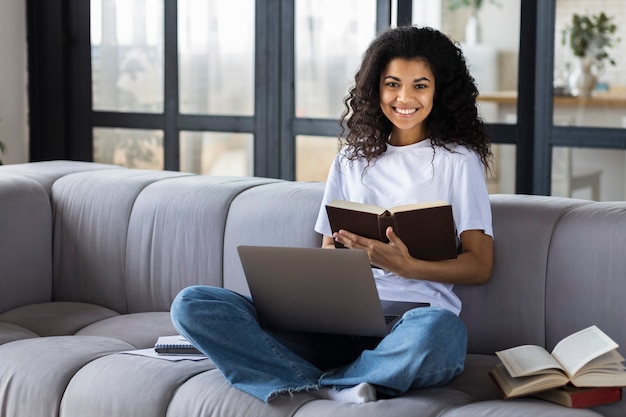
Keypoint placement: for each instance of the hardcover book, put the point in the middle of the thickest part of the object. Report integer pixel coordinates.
(587, 358)
(573, 397)
(427, 229)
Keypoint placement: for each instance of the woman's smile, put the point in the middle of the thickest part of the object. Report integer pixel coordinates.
(405, 111)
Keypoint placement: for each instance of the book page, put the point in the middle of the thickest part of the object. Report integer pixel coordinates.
(576, 350)
(351, 205)
(417, 206)
(611, 359)
(524, 385)
(527, 360)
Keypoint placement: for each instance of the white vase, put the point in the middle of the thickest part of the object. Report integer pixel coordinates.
(582, 80)
(472, 30)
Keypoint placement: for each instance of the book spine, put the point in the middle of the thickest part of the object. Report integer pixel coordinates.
(383, 223)
(596, 397)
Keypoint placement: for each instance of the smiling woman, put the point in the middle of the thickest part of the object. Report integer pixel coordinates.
(394, 94)
(407, 91)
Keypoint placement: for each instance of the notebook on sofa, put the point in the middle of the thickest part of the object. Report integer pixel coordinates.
(318, 290)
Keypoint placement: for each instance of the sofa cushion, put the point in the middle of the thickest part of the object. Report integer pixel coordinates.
(521, 407)
(279, 214)
(56, 318)
(176, 237)
(47, 172)
(209, 395)
(10, 332)
(92, 212)
(133, 386)
(34, 373)
(138, 329)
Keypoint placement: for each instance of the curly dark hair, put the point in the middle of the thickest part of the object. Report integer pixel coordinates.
(454, 118)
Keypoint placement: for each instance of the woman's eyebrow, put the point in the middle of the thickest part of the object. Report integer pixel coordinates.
(417, 80)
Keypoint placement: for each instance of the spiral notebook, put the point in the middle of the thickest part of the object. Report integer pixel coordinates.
(175, 345)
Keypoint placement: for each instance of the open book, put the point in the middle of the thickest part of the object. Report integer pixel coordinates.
(587, 358)
(427, 229)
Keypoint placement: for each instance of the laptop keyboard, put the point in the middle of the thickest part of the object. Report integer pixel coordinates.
(390, 317)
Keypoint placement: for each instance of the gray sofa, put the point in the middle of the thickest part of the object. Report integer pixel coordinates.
(92, 255)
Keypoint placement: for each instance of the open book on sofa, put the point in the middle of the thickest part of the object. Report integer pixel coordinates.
(587, 358)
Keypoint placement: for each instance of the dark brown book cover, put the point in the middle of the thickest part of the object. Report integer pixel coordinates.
(428, 231)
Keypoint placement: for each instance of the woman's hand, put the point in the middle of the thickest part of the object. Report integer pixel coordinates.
(392, 256)
(473, 266)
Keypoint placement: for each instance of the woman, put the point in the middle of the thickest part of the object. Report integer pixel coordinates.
(414, 136)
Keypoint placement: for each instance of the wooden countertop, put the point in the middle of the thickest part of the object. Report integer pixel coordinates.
(598, 99)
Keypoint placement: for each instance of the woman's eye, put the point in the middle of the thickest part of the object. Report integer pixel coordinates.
(392, 84)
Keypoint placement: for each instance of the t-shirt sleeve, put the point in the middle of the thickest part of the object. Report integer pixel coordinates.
(333, 191)
(470, 198)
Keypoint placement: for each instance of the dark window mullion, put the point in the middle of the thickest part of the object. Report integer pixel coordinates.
(588, 137)
(238, 124)
(383, 14)
(526, 98)
(266, 87)
(405, 13)
(502, 133)
(543, 66)
(171, 137)
(287, 91)
(79, 124)
(127, 120)
(315, 127)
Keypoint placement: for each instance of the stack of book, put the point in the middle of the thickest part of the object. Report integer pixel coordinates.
(583, 370)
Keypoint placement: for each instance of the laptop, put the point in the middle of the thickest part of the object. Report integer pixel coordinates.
(318, 290)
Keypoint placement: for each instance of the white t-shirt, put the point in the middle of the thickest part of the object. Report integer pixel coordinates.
(413, 174)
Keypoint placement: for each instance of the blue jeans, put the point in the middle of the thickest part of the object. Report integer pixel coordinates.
(426, 348)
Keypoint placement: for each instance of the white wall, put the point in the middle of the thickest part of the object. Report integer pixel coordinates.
(13, 81)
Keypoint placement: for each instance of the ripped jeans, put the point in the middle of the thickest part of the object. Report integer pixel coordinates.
(426, 348)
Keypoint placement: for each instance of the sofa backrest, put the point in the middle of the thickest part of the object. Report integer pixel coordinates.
(130, 240)
(25, 241)
(586, 273)
(510, 309)
(176, 237)
(277, 214)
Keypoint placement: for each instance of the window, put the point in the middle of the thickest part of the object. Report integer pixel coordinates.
(589, 93)
(210, 84)
(151, 83)
(328, 49)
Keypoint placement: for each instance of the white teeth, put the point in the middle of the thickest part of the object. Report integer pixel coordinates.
(406, 111)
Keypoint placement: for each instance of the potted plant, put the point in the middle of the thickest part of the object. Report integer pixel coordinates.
(589, 38)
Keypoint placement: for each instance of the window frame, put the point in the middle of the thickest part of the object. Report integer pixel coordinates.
(62, 119)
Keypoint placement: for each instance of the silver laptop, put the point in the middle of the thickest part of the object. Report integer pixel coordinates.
(318, 290)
